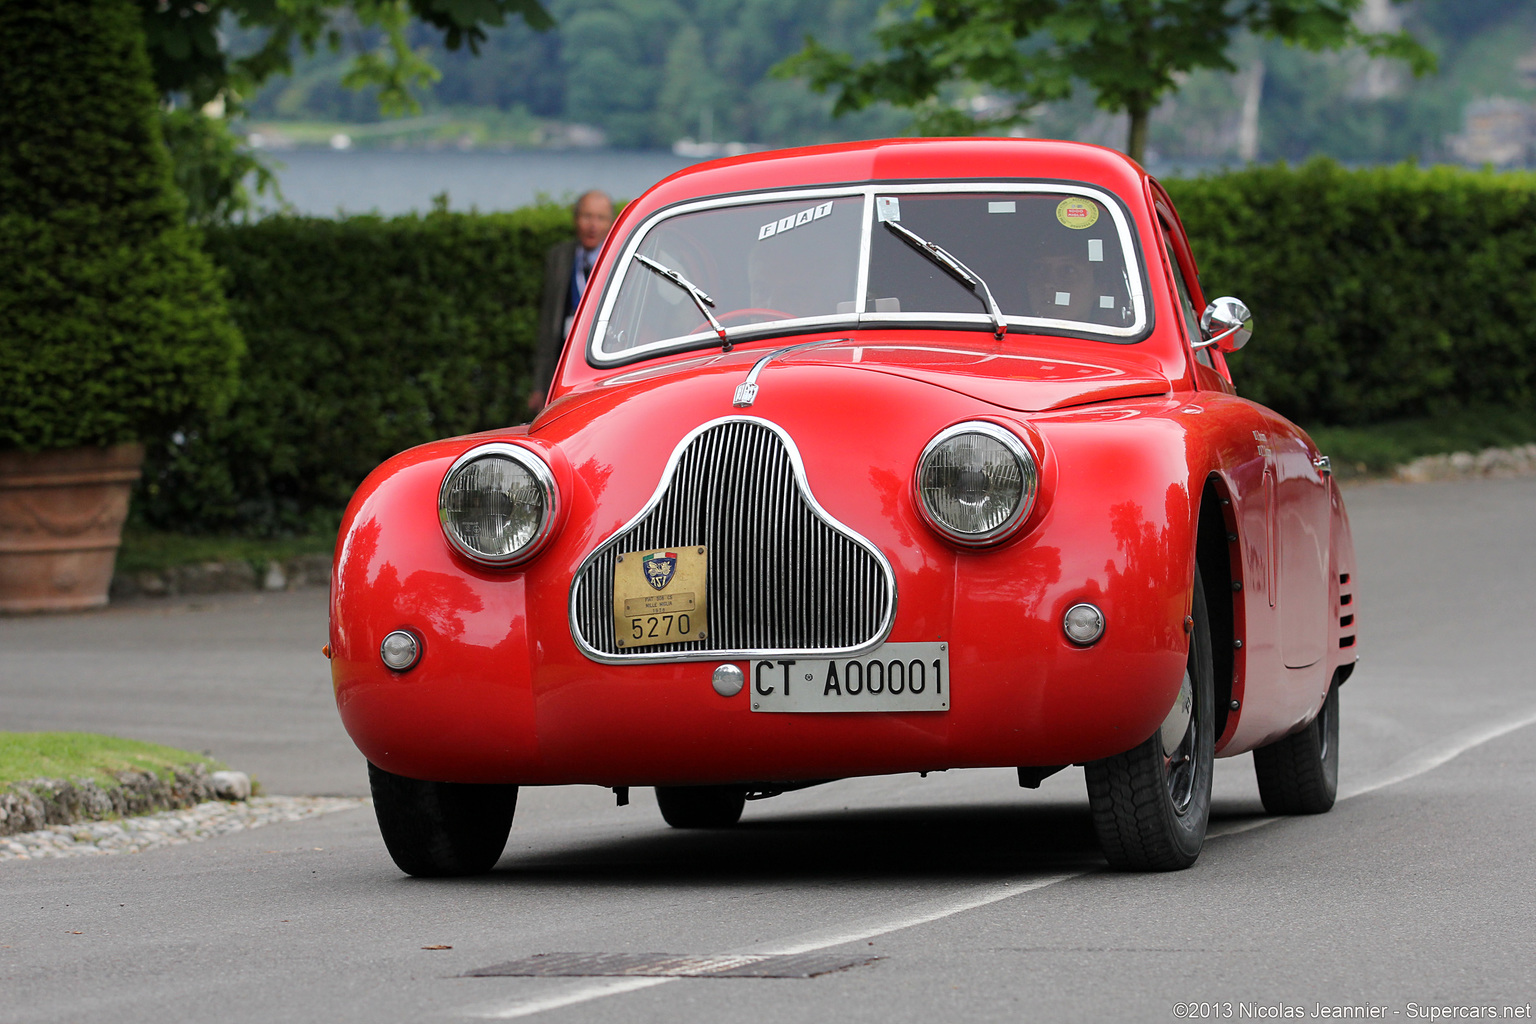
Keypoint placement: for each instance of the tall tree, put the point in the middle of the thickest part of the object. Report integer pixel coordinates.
(189, 57)
(113, 326)
(1130, 53)
(188, 54)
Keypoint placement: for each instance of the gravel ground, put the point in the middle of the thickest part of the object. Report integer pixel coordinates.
(168, 828)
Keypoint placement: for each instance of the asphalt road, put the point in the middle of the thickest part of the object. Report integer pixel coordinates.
(982, 901)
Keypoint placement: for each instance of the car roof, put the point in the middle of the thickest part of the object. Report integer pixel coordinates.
(979, 159)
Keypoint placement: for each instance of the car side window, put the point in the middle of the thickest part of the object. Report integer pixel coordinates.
(1186, 306)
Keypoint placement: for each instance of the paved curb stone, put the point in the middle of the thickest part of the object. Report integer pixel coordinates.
(35, 803)
(168, 828)
(1490, 462)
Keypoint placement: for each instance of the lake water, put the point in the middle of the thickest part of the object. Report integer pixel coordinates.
(324, 182)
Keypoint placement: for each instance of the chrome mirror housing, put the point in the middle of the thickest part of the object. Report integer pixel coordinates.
(1227, 324)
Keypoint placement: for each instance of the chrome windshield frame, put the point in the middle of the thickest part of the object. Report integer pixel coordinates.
(1135, 271)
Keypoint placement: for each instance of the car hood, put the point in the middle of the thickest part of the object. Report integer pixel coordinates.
(1019, 374)
(999, 373)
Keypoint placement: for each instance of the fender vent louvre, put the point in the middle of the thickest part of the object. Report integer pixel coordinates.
(1346, 618)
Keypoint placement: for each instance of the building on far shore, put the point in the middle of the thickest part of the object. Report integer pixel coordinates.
(1496, 130)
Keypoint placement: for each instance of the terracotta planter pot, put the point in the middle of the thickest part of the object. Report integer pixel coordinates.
(61, 521)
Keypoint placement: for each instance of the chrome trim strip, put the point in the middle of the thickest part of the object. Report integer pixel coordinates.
(746, 391)
(802, 485)
(866, 244)
(1133, 270)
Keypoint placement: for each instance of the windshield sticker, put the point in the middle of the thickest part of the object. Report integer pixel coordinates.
(1007, 206)
(887, 208)
(1095, 250)
(1077, 213)
(794, 220)
(1106, 302)
(1063, 298)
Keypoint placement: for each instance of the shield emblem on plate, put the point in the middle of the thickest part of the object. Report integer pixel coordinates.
(659, 568)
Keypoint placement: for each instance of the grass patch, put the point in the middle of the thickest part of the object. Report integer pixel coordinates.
(1379, 447)
(69, 755)
(156, 551)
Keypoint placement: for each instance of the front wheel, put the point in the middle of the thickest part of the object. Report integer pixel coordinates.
(701, 806)
(1151, 804)
(1300, 774)
(441, 829)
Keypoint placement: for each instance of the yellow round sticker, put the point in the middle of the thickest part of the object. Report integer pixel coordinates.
(1077, 213)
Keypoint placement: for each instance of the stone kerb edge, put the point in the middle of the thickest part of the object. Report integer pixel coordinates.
(38, 803)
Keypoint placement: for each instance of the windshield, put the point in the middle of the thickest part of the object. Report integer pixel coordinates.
(1054, 259)
(760, 263)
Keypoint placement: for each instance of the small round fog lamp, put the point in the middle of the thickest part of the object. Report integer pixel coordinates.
(400, 650)
(1083, 624)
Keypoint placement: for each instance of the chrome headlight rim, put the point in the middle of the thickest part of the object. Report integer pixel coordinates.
(543, 476)
(1029, 473)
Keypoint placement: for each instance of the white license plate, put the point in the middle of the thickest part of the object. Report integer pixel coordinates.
(895, 677)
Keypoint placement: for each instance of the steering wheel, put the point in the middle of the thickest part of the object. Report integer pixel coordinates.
(736, 314)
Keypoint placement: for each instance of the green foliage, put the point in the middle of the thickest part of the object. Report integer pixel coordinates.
(112, 324)
(210, 167)
(157, 550)
(186, 40)
(368, 336)
(1379, 294)
(647, 72)
(1378, 447)
(71, 755)
(1130, 53)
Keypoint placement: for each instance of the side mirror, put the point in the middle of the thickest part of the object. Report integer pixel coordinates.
(1227, 324)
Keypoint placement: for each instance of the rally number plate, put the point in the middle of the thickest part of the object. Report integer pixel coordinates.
(895, 677)
(658, 596)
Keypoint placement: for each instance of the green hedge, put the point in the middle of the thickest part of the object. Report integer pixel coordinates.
(1377, 294)
(365, 336)
(112, 326)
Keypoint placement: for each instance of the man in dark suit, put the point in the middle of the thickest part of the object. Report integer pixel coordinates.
(566, 268)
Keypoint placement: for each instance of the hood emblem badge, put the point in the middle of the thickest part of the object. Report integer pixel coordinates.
(746, 391)
(659, 569)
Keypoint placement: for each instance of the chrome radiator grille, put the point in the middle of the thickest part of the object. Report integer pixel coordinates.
(783, 576)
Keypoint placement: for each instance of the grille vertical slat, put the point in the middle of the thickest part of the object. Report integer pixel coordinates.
(782, 576)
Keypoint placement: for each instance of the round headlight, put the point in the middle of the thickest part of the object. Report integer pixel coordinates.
(976, 483)
(497, 504)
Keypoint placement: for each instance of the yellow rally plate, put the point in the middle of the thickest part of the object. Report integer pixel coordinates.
(658, 596)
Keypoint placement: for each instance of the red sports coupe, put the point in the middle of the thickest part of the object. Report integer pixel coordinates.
(873, 458)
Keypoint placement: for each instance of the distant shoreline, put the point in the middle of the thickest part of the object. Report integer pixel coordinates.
(319, 181)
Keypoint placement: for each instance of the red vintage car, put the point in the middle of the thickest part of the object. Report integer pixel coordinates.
(874, 458)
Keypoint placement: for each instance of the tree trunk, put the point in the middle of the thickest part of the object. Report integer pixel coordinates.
(1136, 146)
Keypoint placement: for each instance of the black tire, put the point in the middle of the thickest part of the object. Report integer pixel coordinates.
(1300, 774)
(701, 806)
(441, 829)
(1151, 809)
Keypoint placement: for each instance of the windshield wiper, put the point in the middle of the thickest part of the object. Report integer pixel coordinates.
(696, 293)
(962, 273)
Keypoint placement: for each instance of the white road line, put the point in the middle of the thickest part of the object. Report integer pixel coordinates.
(924, 913)
(935, 910)
(587, 990)
(1435, 755)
